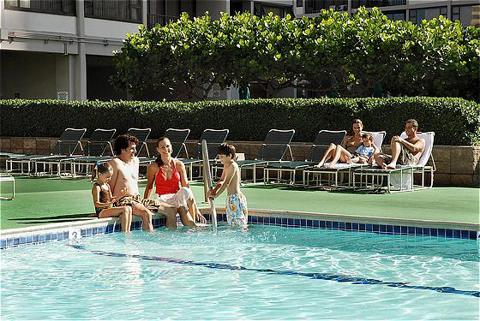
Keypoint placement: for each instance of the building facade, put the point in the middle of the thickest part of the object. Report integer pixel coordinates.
(466, 11)
(64, 48)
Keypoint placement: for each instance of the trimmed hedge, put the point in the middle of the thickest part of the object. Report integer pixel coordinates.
(454, 120)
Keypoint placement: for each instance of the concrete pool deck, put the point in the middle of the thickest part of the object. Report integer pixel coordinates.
(42, 201)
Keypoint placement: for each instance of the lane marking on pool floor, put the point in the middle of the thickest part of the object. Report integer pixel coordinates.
(311, 275)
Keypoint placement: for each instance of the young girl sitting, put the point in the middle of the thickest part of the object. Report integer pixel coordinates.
(103, 199)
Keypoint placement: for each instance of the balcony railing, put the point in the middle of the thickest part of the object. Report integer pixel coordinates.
(160, 19)
(377, 3)
(119, 10)
(315, 6)
(60, 7)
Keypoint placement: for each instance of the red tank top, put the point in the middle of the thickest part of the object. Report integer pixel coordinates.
(164, 186)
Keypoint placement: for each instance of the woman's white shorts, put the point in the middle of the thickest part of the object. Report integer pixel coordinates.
(179, 199)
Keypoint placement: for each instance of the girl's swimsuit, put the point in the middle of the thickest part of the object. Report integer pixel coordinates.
(103, 199)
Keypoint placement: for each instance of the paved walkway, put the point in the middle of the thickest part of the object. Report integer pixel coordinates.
(49, 200)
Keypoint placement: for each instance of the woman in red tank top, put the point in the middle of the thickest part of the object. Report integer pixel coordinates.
(171, 184)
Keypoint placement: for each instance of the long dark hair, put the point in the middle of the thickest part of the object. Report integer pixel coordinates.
(159, 160)
(355, 121)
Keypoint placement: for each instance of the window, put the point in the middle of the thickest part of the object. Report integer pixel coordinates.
(299, 3)
(417, 15)
(377, 3)
(163, 11)
(120, 10)
(396, 15)
(314, 6)
(61, 7)
(467, 15)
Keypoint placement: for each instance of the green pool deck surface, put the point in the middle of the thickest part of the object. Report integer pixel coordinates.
(53, 200)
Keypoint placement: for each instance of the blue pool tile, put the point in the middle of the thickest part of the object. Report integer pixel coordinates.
(465, 234)
(35, 238)
(316, 223)
(348, 226)
(441, 232)
(309, 223)
(404, 230)
(411, 230)
(342, 225)
(323, 224)
(29, 238)
(296, 222)
(361, 227)
(3, 244)
(433, 232)
(110, 228)
(303, 222)
(48, 237)
(376, 228)
(254, 219)
(22, 240)
(328, 224)
(335, 225)
(290, 222)
(16, 241)
(355, 226)
(389, 228)
(9, 242)
(383, 229)
(396, 229)
(418, 231)
(285, 221)
(456, 234)
(250, 218)
(448, 233)
(83, 232)
(472, 235)
(41, 238)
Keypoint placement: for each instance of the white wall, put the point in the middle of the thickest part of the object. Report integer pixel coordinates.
(108, 28)
(38, 22)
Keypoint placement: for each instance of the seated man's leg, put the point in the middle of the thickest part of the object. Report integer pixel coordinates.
(145, 214)
(396, 148)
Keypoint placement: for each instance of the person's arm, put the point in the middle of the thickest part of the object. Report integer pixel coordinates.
(227, 177)
(183, 173)
(347, 142)
(114, 177)
(152, 170)
(414, 148)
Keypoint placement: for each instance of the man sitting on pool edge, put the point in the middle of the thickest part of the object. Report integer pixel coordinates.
(124, 183)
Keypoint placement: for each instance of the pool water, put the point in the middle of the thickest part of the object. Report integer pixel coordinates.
(265, 273)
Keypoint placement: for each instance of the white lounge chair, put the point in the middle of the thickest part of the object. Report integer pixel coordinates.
(327, 176)
(402, 178)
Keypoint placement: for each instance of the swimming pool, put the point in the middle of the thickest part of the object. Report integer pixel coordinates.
(268, 272)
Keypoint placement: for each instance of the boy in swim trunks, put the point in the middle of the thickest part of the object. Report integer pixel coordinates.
(236, 207)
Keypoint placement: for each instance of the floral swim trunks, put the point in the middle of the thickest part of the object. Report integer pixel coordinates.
(236, 210)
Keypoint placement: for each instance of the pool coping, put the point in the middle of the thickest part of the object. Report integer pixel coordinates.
(285, 218)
